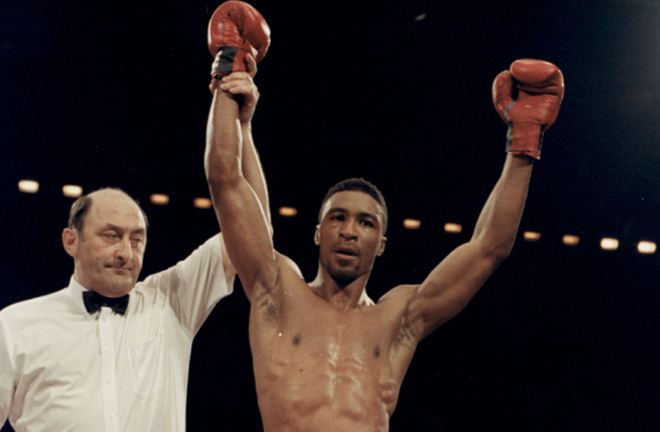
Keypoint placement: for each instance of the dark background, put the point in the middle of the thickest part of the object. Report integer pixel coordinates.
(399, 92)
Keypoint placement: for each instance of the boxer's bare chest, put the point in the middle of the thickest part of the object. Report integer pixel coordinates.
(316, 359)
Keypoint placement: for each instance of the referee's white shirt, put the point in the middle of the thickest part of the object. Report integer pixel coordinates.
(62, 369)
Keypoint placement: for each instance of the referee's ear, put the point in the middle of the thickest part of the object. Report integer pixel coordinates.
(70, 242)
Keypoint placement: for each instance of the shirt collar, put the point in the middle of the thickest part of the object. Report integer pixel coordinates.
(75, 290)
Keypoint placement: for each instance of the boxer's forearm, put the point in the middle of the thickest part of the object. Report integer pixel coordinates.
(253, 170)
(498, 222)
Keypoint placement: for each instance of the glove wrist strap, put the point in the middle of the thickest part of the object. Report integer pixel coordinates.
(525, 138)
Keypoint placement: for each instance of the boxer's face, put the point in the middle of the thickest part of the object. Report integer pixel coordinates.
(349, 235)
(108, 252)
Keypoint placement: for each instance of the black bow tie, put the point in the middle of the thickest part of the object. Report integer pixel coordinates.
(93, 302)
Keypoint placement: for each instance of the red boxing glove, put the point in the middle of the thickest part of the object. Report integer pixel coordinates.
(528, 97)
(235, 30)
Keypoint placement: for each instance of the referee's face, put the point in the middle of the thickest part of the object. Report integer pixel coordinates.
(108, 252)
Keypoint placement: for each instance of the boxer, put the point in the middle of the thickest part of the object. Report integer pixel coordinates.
(326, 357)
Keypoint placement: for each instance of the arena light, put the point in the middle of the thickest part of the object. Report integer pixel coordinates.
(608, 243)
(453, 228)
(646, 247)
(202, 203)
(531, 236)
(420, 17)
(159, 199)
(412, 224)
(28, 186)
(287, 211)
(570, 240)
(72, 191)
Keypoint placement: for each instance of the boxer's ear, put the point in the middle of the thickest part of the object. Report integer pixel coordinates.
(317, 235)
(381, 248)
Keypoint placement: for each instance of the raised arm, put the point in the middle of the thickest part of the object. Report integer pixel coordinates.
(528, 98)
(243, 220)
(250, 162)
(238, 38)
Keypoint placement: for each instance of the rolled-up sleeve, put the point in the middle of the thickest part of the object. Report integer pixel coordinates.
(7, 368)
(195, 285)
